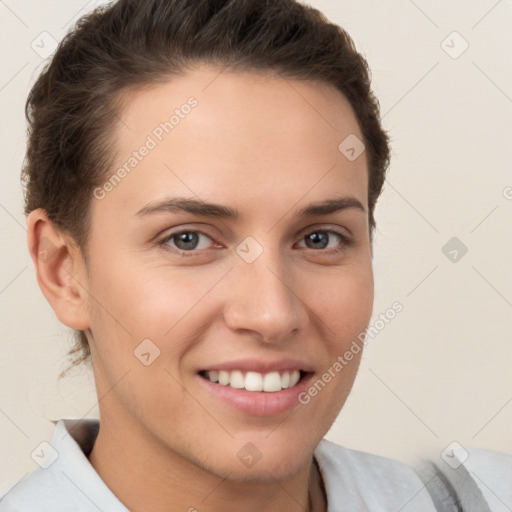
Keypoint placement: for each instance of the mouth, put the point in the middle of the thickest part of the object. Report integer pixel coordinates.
(270, 382)
(257, 386)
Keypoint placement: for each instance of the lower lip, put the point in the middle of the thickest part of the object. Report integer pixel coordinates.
(258, 403)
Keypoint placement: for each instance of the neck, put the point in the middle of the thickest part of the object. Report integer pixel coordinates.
(153, 477)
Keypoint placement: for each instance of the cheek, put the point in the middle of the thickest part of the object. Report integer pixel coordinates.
(342, 303)
(341, 308)
(153, 301)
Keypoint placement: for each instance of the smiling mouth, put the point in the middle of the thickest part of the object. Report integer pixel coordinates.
(270, 382)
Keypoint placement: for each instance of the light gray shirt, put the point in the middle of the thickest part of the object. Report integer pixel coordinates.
(66, 482)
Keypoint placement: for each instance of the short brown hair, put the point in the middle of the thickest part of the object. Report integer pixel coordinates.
(72, 106)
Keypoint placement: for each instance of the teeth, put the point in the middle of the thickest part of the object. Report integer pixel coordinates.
(223, 378)
(294, 378)
(272, 382)
(255, 381)
(236, 380)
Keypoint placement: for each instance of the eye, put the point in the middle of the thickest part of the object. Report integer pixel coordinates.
(323, 239)
(188, 240)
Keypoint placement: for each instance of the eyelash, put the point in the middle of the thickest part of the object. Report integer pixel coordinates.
(345, 241)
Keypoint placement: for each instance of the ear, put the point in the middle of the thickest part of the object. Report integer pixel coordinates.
(60, 270)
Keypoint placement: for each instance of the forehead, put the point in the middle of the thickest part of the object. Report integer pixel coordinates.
(234, 137)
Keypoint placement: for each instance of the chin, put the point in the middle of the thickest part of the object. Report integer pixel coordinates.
(262, 460)
(263, 471)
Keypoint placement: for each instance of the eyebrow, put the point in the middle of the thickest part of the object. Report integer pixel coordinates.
(199, 207)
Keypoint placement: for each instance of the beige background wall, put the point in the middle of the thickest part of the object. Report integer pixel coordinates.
(440, 371)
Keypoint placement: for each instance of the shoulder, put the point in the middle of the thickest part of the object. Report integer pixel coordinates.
(356, 480)
(35, 492)
(480, 479)
(41, 489)
(65, 479)
(492, 472)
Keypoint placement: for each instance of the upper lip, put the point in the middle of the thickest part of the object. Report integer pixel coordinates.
(260, 365)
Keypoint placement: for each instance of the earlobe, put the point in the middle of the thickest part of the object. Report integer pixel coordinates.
(59, 269)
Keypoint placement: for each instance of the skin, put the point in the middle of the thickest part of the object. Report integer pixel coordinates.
(267, 147)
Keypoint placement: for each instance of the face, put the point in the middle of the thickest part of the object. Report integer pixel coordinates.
(235, 246)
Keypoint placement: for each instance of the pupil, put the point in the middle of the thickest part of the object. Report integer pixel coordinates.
(187, 240)
(317, 240)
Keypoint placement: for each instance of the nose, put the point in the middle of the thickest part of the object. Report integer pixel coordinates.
(262, 301)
